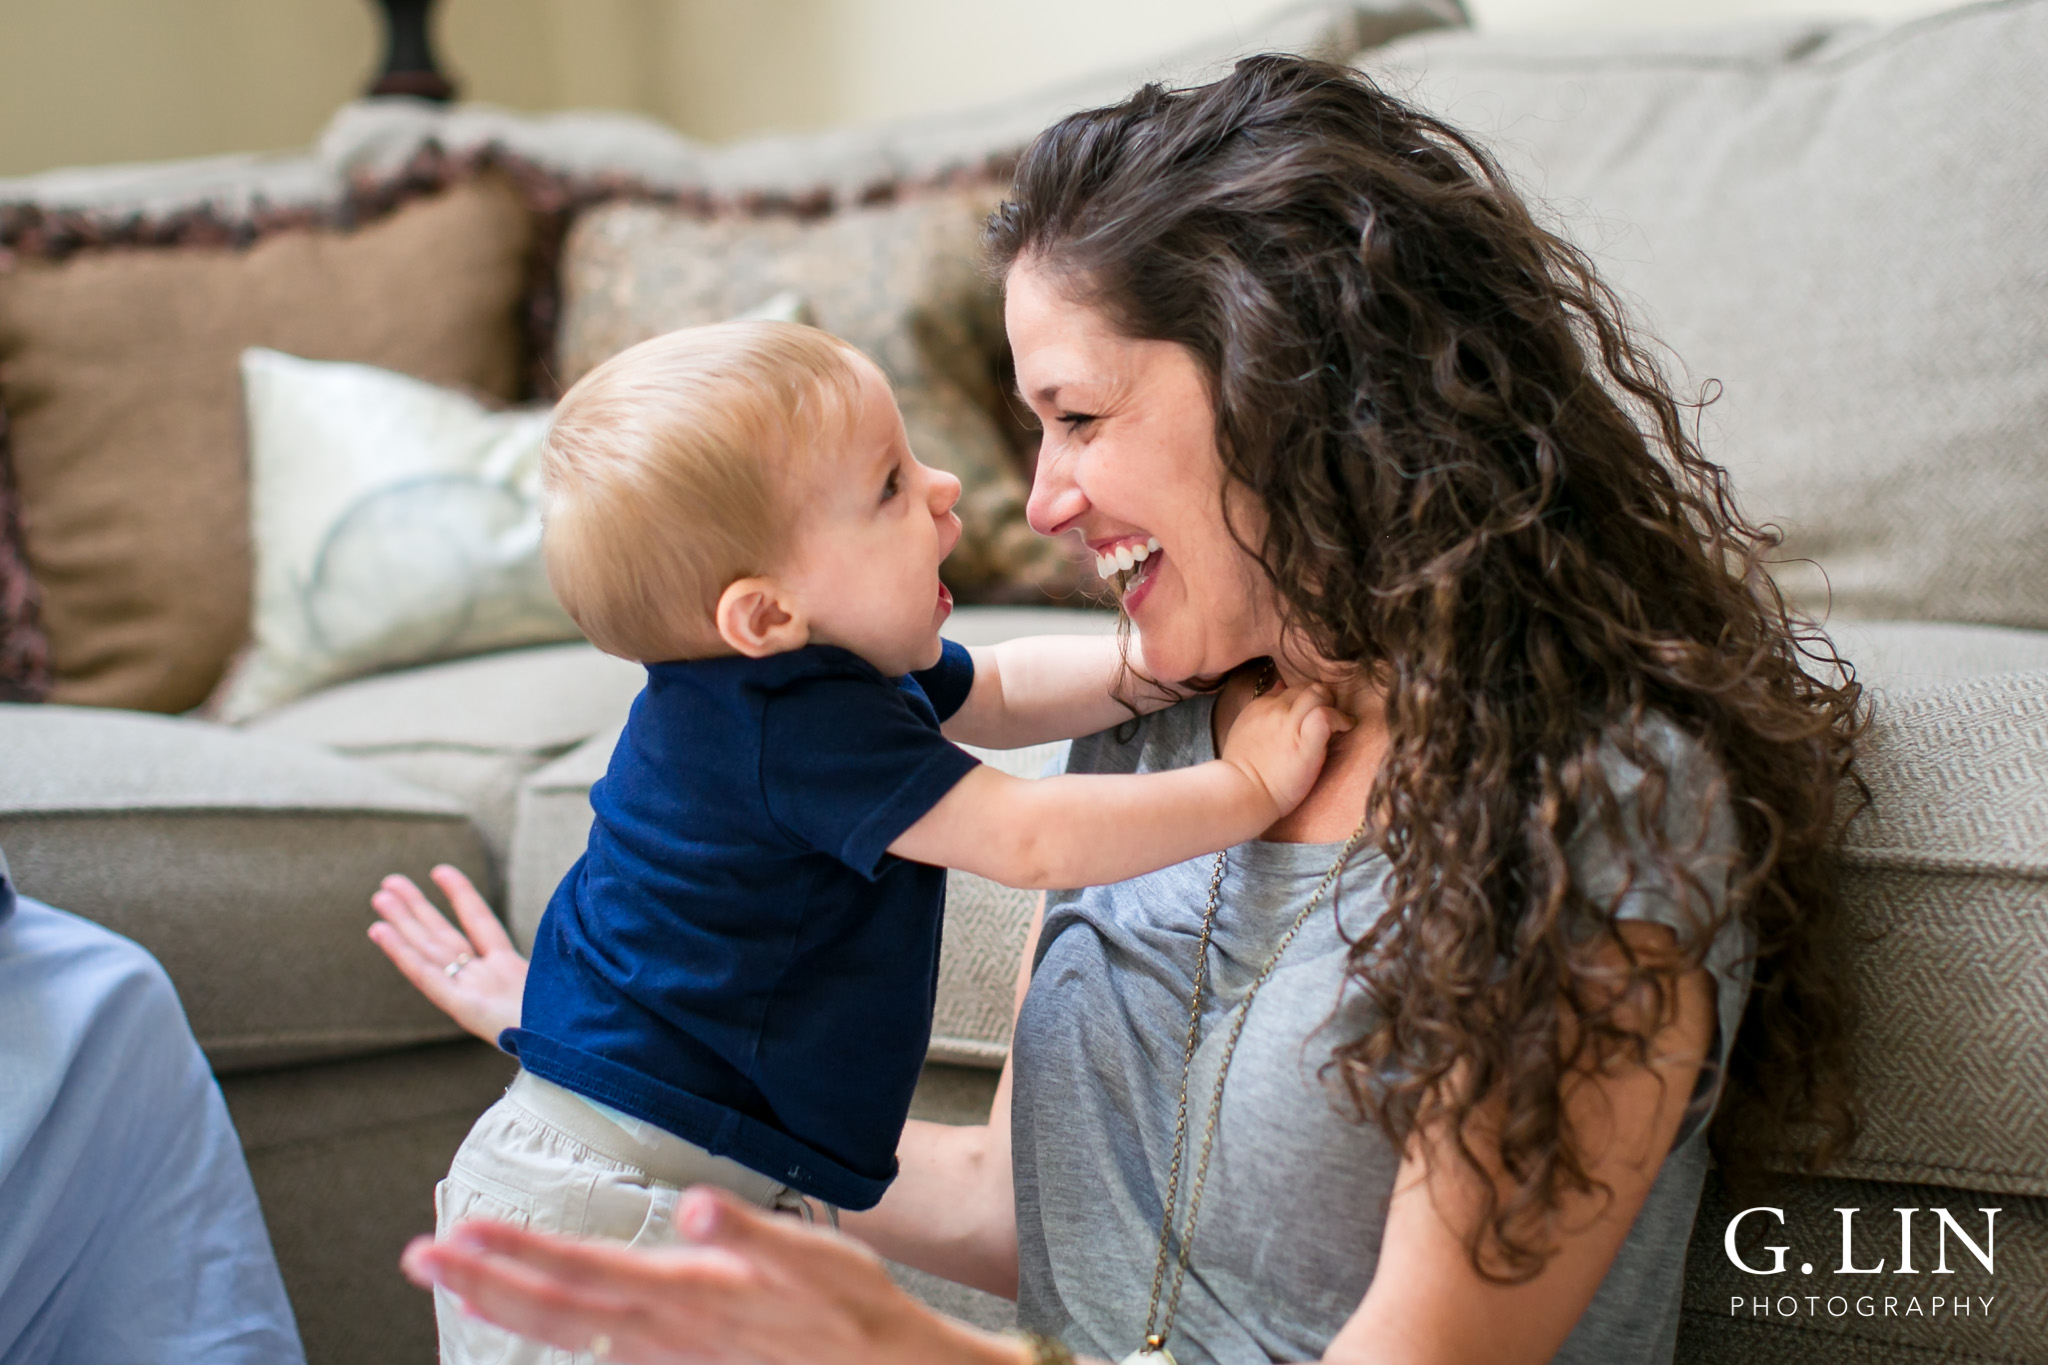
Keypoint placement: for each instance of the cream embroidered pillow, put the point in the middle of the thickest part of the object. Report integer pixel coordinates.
(394, 523)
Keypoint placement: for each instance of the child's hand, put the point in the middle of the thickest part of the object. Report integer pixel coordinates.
(1279, 741)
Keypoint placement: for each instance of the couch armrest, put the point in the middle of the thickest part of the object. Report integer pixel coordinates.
(244, 862)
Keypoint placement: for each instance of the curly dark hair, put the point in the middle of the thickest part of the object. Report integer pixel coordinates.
(1482, 490)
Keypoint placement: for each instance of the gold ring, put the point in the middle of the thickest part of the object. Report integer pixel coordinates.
(462, 960)
(601, 1345)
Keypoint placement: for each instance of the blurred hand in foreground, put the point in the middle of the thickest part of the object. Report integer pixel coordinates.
(742, 1285)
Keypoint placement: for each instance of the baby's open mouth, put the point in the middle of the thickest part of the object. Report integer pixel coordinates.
(1129, 564)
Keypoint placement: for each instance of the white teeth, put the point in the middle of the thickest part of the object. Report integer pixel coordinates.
(1124, 558)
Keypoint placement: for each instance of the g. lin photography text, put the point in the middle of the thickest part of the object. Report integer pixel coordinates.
(1869, 1299)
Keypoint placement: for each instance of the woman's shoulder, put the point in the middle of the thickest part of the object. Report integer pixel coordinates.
(1662, 776)
(1662, 842)
(1176, 737)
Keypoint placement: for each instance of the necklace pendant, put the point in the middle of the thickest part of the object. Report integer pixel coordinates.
(1146, 1355)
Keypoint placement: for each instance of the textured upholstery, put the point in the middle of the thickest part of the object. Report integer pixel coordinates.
(244, 863)
(550, 830)
(1895, 655)
(1839, 223)
(1948, 872)
(473, 728)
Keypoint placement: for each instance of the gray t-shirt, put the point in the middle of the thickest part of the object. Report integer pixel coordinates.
(1298, 1188)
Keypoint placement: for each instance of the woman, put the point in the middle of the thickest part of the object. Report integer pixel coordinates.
(1393, 437)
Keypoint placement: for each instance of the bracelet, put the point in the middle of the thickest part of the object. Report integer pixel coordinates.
(1047, 1351)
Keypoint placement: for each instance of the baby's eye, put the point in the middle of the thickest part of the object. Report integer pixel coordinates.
(892, 485)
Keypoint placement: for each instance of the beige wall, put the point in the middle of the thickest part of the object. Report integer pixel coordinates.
(134, 80)
(85, 81)
(1506, 15)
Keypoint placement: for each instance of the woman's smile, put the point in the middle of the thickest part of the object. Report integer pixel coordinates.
(1127, 562)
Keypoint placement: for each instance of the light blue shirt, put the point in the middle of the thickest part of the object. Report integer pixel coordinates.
(129, 1230)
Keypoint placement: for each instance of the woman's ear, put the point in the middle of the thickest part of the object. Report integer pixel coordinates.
(755, 619)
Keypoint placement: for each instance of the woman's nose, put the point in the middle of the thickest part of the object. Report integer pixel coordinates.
(1056, 499)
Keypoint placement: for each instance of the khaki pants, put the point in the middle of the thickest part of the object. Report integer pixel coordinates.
(541, 1158)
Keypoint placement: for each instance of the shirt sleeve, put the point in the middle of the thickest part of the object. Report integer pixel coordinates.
(1625, 876)
(847, 766)
(1695, 820)
(947, 682)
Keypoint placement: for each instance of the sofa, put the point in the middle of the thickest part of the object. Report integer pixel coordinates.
(1834, 227)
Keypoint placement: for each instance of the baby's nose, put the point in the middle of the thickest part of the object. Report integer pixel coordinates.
(945, 491)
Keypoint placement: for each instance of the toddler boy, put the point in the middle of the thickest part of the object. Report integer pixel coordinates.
(735, 983)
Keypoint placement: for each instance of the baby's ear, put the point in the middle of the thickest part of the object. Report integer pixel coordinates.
(755, 619)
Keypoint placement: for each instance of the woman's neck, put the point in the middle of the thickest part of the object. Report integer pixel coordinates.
(1336, 803)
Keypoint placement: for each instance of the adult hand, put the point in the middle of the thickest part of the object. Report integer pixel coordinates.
(484, 993)
(744, 1285)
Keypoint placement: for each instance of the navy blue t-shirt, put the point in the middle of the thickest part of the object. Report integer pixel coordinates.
(736, 957)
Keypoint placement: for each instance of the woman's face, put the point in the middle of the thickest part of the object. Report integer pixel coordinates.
(1128, 461)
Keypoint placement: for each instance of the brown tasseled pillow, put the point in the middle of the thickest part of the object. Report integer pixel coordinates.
(118, 374)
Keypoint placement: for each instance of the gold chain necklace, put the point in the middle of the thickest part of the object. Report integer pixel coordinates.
(1158, 1327)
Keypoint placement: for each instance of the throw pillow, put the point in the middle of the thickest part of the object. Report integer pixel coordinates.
(903, 281)
(118, 370)
(1841, 224)
(394, 522)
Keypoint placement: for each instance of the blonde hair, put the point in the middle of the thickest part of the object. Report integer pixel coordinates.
(665, 472)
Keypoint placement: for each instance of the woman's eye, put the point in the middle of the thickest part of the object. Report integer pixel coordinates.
(1074, 421)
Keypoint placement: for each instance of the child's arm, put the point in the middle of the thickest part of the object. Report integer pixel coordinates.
(1047, 687)
(1088, 829)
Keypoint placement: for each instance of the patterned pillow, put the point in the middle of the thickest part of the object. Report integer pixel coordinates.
(903, 281)
(119, 374)
(395, 522)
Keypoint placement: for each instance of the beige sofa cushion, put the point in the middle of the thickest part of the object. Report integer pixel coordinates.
(472, 729)
(550, 828)
(1842, 225)
(244, 862)
(1949, 874)
(1893, 656)
(118, 370)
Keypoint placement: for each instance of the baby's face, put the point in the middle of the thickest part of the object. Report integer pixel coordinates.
(872, 528)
